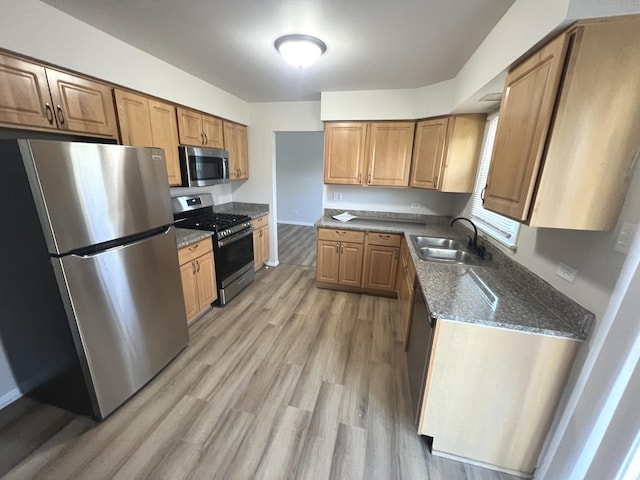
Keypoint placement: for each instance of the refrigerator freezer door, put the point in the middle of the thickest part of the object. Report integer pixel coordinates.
(92, 193)
(125, 307)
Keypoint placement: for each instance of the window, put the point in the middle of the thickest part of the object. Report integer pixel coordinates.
(501, 228)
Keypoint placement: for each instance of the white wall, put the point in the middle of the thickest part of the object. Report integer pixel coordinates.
(400, 200)
(428, 101)
(35, 29)
(266, 119)
(220, 193)
(299, 176)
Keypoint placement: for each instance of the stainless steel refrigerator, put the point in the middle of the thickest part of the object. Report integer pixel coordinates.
(91, 304)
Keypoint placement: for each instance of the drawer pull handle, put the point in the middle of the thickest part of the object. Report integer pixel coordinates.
(194, 247)
(338, 232)
(49, 112)
(60, 114)
(384, 236)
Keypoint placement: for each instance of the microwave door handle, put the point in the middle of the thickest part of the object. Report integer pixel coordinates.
(225, 169)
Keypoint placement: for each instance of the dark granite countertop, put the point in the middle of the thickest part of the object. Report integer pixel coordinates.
(501, 293)
(254, 210)
(185, 236)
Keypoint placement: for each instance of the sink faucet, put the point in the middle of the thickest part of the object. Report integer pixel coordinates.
(473, 243)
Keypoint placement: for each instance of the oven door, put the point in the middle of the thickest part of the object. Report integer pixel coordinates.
(232, 255)
(203, 166)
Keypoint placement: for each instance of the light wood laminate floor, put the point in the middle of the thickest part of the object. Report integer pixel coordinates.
(288, 381)
(297, 245)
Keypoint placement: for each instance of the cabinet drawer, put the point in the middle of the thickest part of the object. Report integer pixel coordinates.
(341, 235)
(193, 251)
(386, 239)
(260, 222)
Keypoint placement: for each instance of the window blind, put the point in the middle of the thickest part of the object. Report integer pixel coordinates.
(501, 228)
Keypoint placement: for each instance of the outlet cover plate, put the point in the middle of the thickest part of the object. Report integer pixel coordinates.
(566, 272)
(625, 237)
(337, 196)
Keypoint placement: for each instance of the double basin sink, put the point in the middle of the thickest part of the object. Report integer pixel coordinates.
(443, 250)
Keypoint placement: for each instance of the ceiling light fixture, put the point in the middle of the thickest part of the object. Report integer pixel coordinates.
(300, 50)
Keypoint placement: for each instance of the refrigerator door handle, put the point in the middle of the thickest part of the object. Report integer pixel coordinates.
(120, 243)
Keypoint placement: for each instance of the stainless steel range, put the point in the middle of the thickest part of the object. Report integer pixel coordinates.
(232, 241)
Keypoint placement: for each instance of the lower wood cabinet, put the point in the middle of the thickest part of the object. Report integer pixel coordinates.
(358, 261)
(405, 281)
(260, 241)
(197, 270)
(516, 378)
(340, 255)
(380, 261)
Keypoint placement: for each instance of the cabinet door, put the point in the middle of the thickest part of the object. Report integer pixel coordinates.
(212, 129)
(235, 142)
(133, 117)
(428, 153)
(190, 127)
(525, 115)
(350, 269)
(328, 261)
(407, 306)
(257, 250)
(389, 153)
(461, 153)
(345, 153)
(264, 242)
(82, 105)
(24, 98)
(164, 132)
(206, 274)
(190, 289)
(380, 267)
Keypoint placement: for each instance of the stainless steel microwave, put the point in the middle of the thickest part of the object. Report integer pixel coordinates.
(203, 166)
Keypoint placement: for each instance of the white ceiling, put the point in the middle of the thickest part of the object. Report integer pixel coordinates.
(371, 44)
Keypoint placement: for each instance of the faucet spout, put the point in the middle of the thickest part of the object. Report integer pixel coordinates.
(473, 242)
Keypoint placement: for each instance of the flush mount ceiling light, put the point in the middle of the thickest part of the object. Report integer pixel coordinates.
(300, 50)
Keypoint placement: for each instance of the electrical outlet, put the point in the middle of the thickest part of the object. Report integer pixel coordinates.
(416, 205)
(337, 196)
(625, 237)
(566, 272)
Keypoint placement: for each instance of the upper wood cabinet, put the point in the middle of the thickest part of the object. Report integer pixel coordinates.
(198, 129)
(368, 153)
(567, 137)
(146, 122)
(344, 152)
(446, 152)
(43, 98)
(235, 142)
(164, 132)
(24, 99)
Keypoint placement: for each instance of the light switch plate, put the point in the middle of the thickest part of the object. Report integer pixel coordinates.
(566, 272)
(625, 237)
(337, 196)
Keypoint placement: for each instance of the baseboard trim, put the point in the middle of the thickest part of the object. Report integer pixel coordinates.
(292, 222)
(477, 463)
(10, 397)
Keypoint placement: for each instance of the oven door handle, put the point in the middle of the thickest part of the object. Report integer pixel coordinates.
(234, 238)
